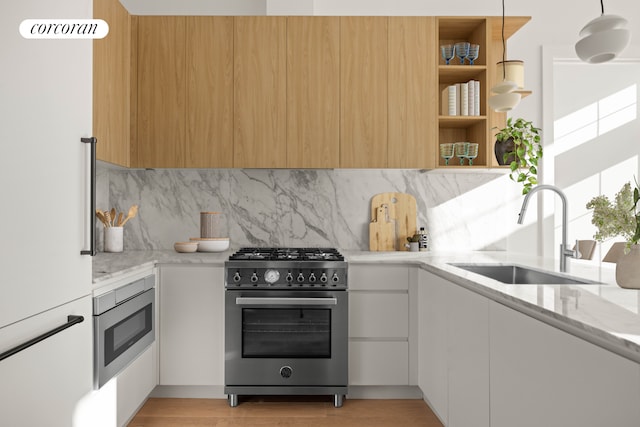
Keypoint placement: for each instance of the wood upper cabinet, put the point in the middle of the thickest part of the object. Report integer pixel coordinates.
(363, 92)
(114, 60)
(313, 92)
(161, 91)
(259, 110)
(209, 98)
(412, 101)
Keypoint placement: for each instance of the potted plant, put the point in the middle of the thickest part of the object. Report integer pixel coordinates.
(518, 145)
(621, 218)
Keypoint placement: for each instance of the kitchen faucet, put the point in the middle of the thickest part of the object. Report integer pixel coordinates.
(564, 251)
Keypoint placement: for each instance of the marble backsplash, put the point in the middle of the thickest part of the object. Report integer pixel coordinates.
(462, 210)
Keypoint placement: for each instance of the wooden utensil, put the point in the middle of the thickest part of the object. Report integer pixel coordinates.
(107, 218)
(403, 210)
(120, 218)
(113, 217)
(133, 211)
(101, 217)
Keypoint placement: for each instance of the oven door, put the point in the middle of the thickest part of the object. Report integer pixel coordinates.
(286, 338)
(122, 334)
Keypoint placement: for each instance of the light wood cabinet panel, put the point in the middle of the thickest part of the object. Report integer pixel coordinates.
(412, 100)
(209, 103)
(114, 83)
(363, 92)
(260, 92)
(313, 92)
(161, 91)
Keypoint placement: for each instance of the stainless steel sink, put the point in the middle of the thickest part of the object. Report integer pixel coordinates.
(519, 275)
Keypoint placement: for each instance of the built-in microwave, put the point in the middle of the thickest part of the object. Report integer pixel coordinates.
(123, 322)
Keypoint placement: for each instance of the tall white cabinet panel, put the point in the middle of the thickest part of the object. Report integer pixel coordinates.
(541, 376)
(468, 358)
(433, 377)
(191, 325)
(41, 386)
(46, 107)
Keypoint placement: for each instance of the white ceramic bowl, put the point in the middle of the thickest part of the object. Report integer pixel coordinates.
(185, 247)
(218, 244)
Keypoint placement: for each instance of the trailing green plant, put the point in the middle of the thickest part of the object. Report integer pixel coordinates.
(526, 153)
(620, 218)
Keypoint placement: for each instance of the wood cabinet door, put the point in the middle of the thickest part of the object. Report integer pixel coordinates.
(363, 92)
(412, 99)
(209, 99)
(161, 91)
(313, 92)
(259, 110)
(113, 82)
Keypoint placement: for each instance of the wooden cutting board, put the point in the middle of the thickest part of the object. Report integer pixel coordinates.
(382, 231)
(402, 215)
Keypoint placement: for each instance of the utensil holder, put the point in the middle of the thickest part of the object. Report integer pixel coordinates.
(113, 239)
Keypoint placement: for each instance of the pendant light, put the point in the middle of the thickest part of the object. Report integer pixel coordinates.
(603, 38)
(505, 99)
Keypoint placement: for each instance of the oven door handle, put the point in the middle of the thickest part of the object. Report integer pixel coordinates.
(286, 301)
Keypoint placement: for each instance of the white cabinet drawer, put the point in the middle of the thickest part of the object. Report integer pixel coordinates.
(378, 363)
(378, 315)
(372, 277)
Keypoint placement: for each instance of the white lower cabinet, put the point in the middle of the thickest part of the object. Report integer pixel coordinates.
(135, 383)
(453, 367)
(542, 376)
(468, 356)
(433, 376)
(42, 384)
(378, 363)
(379, 338)
(191, 325)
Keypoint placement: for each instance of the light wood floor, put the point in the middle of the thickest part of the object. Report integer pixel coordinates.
(285, 412)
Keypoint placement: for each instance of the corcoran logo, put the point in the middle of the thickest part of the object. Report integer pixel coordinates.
(64, 28)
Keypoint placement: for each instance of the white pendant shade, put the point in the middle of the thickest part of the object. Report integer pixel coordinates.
(603, 39)
(505, 86)
(503, 102)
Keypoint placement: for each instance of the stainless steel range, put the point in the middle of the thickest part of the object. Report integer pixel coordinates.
(286, 313)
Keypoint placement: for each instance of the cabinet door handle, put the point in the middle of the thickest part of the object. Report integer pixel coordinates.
(91, 219)
(71, 320)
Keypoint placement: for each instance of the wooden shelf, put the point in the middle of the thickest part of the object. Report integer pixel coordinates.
(459, 73)
(460, 121)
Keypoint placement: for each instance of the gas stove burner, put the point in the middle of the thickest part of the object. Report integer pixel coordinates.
(287, 254)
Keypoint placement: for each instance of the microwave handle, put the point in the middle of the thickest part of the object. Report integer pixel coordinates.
(286, 301)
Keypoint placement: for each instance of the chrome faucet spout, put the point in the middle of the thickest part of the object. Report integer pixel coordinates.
(564, 251)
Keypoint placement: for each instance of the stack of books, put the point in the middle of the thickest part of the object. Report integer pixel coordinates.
(461, 99)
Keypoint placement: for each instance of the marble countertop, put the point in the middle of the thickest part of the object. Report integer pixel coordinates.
(602, 313)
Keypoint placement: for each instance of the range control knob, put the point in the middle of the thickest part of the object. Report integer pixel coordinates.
(312, 278)
(289, 277)
(254, 277)
(237, 277)
(335, 278)
(271, 276)
(300, 277)
(324, 278)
